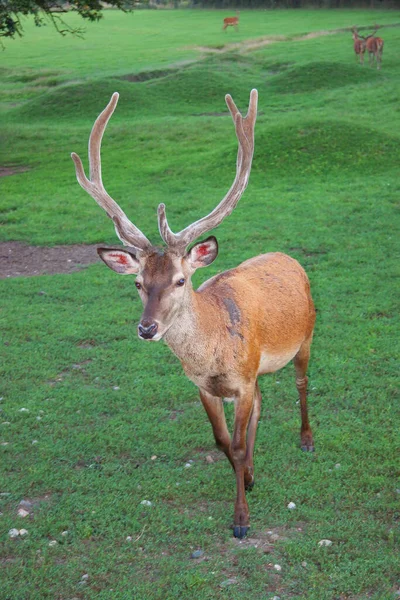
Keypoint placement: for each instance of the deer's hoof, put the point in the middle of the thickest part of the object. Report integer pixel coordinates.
(306, 441)
(240, 531)
(307, 447)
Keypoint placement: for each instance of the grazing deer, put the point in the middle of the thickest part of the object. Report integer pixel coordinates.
(359, 45)
(240, 324)
(231, 21)
(375, 49)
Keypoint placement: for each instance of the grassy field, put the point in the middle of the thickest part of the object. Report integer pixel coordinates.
(111, 421)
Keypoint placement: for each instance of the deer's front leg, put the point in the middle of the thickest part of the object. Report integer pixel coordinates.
(215, 410)
(240, 457)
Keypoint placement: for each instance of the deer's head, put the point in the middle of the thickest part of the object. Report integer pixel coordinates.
(163, 275)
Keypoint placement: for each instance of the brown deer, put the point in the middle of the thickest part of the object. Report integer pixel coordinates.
(231, 22)
(359, 45)
(374, 46)
(240, 324)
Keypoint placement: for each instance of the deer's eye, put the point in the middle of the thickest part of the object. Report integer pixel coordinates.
(139, 287)
(180, 282)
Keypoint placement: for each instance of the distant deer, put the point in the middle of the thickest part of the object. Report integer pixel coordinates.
(375, 49)
(231, 21)
(359, 45)
(239, 324)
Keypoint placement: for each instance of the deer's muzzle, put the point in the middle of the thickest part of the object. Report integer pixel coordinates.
(147, 329)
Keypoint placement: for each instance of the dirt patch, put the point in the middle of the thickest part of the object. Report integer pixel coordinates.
(12, 170)
(246, 46)
(316, 34)
(21, 260)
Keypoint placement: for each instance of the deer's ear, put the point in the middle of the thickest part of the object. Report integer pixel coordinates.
(203, 253)
(120, 261)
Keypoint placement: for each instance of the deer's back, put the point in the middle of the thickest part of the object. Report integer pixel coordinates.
(266, 310)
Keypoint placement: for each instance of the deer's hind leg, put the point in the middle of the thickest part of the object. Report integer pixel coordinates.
(301, 363)
(251, 438)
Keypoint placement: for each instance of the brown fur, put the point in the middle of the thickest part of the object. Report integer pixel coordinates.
(222, 331)
(375, 49)
(231, 21)
(359, 46)
(240, 324)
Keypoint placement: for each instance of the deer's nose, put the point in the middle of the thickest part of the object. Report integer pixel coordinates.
(147, 329)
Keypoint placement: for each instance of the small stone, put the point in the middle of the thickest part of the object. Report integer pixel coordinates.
(227, 582)
(304, 564)
(146, 502)
(154, 457)
(291, 506)
(276, 598)
(38, 418)
(277, 567)
(25, 504)
(188, 465)
(23, 410)
(129, 538)
(53, 543)
(34, 442)
(13, 533)
(85, 577)
(22, 513)
(4, 444)
(64, 533)
(337, 466)
(325, 543)
(23, 532)
(209, 459)
(116, 388)
(197, 554)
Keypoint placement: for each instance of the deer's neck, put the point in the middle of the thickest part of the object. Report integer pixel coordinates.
(190, 337)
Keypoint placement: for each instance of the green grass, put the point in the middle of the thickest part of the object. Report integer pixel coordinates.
(324, 188)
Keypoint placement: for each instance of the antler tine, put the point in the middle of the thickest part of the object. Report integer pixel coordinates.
(245, 133)
(127, 232)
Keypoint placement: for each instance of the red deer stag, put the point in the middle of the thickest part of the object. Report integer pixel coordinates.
(375, 49)
(231, 21)
(359, 46)
(244, 322)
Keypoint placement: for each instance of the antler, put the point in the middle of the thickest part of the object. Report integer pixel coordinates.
(127, 232)
(245, 134)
